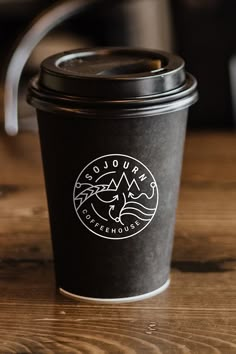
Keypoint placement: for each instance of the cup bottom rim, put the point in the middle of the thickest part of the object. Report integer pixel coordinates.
(116, 300)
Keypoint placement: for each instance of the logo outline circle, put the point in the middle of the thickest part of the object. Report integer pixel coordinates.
(156, 206)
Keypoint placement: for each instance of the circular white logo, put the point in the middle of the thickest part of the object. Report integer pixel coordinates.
(115, 196)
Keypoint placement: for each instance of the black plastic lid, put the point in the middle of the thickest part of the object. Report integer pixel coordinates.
(114, 73)
(107, 81)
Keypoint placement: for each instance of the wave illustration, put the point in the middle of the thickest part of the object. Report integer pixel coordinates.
(138, 210)
(140, 206)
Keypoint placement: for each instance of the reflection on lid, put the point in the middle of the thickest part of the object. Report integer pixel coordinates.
(111, 65)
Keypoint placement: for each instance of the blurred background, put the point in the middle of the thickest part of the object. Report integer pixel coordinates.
(202, 31)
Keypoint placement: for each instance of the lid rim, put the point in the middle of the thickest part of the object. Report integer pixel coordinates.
(190, 85)
(181, 104)
(185, 97)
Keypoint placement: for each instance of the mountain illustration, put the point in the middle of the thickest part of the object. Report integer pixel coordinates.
(117, 200)
(124, 185)
(112, 185)
(134, 188)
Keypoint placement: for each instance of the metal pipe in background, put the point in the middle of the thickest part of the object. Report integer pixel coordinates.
(48, 20)
(142, 23)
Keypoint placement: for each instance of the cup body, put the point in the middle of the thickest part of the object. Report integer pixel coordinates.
(89, 261)
(112, 127)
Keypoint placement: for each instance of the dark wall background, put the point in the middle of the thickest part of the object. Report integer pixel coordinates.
(14, 18)
(204, 33)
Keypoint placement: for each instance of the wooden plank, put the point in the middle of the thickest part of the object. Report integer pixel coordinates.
(206, 210)
(197, 314)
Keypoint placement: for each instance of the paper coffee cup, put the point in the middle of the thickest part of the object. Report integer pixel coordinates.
(112, 128)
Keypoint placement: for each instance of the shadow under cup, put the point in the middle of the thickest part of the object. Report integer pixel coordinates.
(112, 127)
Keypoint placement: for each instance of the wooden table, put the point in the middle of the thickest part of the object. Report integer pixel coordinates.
(197, 314)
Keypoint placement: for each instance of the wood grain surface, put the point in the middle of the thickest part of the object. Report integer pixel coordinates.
(197, 314)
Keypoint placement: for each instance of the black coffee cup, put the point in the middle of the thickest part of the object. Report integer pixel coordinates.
(112, 128)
